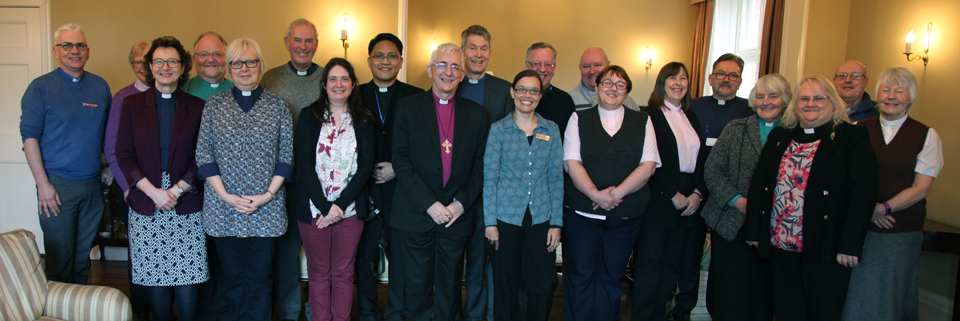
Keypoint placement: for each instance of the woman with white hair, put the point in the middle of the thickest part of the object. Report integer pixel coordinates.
(245, 153)
(811, 200)
(885, 285)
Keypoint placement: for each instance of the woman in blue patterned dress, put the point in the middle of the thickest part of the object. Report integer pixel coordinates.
(245, 153)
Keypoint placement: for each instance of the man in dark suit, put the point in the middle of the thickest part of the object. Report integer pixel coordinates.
(493, 94)
(438, 144)
(380, 96)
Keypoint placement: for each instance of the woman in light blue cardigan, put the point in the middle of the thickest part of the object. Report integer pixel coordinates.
(522, 198)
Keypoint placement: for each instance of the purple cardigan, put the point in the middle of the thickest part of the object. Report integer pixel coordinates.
(138, 149)
(113, 122)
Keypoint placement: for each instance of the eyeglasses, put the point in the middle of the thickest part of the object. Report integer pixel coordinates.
(137, 63)
(522, 91)
(173, 63)
(205, 55)
(818, 100)
(252, 63)
(445, 66)
(722, 75)
(67, 46)
(537, 65)
(607, 83)
(381, 57)
(843, 75)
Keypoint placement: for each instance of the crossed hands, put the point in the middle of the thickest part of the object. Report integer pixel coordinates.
(246, 204)
(445, 214)
(333, 216)
(607, 199)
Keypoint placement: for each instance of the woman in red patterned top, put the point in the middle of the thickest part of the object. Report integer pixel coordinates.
(820, 165)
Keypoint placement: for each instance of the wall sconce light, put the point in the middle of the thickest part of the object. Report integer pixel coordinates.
(433, 45)
(648, 59)
(925, 56)
(343, 34)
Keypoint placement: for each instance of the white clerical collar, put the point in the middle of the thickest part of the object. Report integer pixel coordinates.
(166, 96)
(246, 93)
(671, 106)
(473, 82)
(215, 85)
(76, 79)
(301, 73)
(893, 123)
(769, 124)
(720, 102)
(808, 131)
(444, 102)
(383, 89)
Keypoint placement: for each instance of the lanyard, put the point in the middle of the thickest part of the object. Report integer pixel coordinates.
(379, 111)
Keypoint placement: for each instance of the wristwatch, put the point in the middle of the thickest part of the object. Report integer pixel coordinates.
(179, 189)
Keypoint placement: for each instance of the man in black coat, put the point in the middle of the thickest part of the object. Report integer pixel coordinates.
(381, 96)
(438, 145)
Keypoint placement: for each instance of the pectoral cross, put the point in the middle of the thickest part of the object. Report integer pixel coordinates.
(446, 144)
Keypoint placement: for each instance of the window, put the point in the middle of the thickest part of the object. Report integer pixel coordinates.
(737, 28)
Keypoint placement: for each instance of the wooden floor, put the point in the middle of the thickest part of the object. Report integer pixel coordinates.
(114, 274)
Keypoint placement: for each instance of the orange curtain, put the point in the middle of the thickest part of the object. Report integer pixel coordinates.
(701, 46)
(772, 37)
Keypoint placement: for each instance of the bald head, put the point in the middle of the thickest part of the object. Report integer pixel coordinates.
(850, 80)
(592, 61)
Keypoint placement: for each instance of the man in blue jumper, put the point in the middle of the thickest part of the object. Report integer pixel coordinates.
(63, 117)
(850, 80)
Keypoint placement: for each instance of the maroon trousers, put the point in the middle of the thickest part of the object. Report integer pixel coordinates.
(331, 253)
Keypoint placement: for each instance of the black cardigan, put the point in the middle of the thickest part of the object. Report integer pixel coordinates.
(308, 186)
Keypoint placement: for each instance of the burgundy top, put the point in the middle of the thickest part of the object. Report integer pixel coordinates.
(445, 117)
(898, 163)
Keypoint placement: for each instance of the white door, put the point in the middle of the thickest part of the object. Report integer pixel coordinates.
(21, 60)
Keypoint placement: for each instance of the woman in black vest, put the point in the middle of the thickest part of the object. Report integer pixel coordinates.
(677, 189)
(886, 283)
(610, 153)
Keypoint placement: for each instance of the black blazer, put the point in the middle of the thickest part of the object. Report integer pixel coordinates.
(660, 212)
(840, 196)
(419, 168)
(309, 188)
(138, 149)
(496, 97)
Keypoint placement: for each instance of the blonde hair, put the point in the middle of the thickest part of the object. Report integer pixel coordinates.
(839, 107)
(903, 78)
(67, 27)
(141, 45)
(446, 49)
(240, 46)
(771, 83)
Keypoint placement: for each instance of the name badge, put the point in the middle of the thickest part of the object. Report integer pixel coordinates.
(711, 141)
(545, 138)
(91, 105)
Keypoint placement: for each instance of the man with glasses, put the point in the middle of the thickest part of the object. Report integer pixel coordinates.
(555, 104)
(63, 114)
(380, 96)
(438, 144)
(208, 59)
(850, 80)
(298, 83)
(493, 94)
(584, 95)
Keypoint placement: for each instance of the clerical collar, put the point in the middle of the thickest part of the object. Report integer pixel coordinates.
(671, 106)
(246, 93)
(212, 85)
(439, 101)
(70, 78)
(166, 96)
(722, 102)
(157, 92)
(383, 89)
(313, 68)
(478, 81)
(140, 85)
(766, 124)
(893, 123)
(216, 85)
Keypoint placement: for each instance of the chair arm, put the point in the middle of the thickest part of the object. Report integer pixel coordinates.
(76, 302)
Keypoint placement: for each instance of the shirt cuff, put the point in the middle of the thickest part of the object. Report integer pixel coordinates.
(283, 170)
(734, 200)
(208, 170)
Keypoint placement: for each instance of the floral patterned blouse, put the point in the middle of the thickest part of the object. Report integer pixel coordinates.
(786, 223)
(336, 161)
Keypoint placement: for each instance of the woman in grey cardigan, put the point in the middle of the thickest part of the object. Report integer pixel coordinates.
(739, 286)
(245, 153)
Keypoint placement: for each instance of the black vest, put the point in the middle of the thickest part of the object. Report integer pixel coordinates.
(609, 160)
(897, 162)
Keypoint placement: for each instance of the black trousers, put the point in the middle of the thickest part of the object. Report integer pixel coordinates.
(366, 270)
(807, 291)
(523, 259)
(477, 284)
(739, 284)
(246, 275)
(689, 281)
(433, 266)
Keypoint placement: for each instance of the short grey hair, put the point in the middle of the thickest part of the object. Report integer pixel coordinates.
(67, 27)
(446, 49)
(476, 30)
(772, 83)
(541, 45)
(141, 45)
(901, 77)
(301, 22)
(241, 45)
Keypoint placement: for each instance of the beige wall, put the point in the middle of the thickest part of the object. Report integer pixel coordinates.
(113, 26)
(826, 37)
(622, 27)
(877, 29)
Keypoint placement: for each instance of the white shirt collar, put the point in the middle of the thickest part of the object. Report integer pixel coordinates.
(606, 113)
(671, 106)
(893, 123)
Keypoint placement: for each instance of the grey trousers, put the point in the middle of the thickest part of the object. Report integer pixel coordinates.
(68, 237)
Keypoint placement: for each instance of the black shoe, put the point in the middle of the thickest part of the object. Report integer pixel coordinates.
(679, 314)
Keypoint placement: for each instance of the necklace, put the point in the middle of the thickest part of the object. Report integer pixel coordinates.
(446, 132)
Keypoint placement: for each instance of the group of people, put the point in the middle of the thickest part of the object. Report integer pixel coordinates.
(225, 180)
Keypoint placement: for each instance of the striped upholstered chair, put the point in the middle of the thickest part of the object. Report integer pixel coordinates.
(25, 293)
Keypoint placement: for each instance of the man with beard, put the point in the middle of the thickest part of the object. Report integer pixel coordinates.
(298, 83)
(208, 57)
(493, 94)
(380, 96)
(850, 80)
(555, 105)
(592, 61)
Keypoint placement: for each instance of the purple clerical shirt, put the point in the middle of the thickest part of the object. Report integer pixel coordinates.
(113, 125)
(445, 117)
